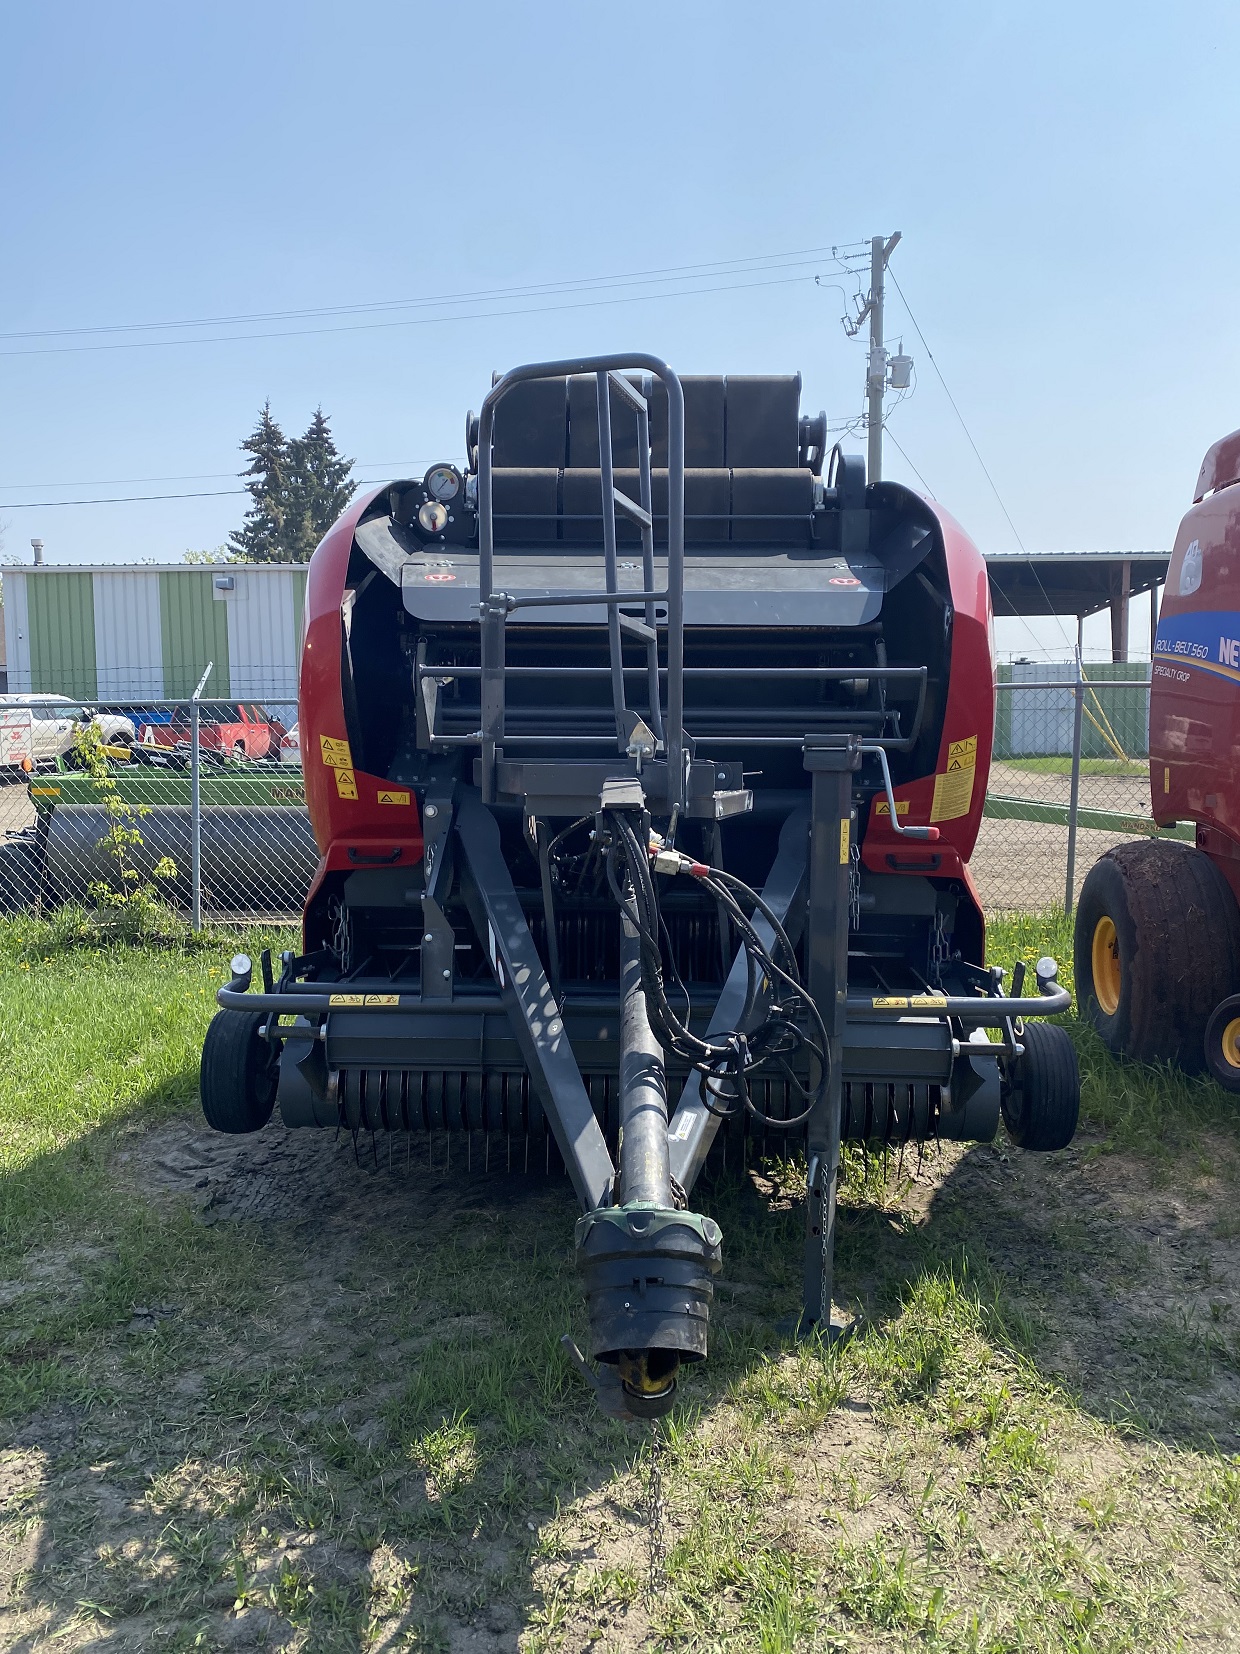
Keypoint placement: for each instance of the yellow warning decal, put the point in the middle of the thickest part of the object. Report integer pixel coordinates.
(844, 842)
(953, 795)
(346, 999)
(953, 791)
(1166, 778)
(882, 808)
(45, 792)
(392, 798)
(383, 999)
(346, 783)
(336, 753)
(913, 1002)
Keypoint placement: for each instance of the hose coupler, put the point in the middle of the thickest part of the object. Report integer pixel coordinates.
(648, 1287)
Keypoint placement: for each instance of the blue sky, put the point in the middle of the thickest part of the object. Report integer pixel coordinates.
(1063, 175)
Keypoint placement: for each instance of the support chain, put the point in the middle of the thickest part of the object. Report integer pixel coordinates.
(655, 1513)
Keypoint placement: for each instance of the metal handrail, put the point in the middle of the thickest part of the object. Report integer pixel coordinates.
(494, 607)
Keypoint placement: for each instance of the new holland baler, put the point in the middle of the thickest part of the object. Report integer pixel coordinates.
(645, 760)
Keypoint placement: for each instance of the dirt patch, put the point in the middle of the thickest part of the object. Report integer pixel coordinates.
(342, 1420)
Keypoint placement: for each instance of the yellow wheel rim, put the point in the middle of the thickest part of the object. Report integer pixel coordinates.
(1231, 1043)
(1107, 979)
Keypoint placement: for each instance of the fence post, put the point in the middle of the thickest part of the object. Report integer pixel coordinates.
(195, 806)
(1069, 888)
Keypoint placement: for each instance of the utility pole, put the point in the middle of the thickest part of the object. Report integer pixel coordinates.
(881, 250)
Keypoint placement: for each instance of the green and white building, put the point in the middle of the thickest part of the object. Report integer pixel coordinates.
(133, 633)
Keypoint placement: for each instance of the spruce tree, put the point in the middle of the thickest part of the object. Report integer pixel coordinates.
(319, 487)
(263, 538)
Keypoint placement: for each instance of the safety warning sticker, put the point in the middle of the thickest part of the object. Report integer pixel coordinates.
(346, 783)
(346, 999)
(953, 791)
(910, 1002)
(385, 797)
(903, 805)
(844, 841)
(336, 753)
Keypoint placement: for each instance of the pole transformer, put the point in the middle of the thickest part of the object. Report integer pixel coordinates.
(881, 249)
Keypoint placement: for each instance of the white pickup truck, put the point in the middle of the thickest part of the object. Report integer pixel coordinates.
(45, 727)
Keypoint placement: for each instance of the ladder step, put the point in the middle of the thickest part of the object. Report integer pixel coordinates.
(637, 628)
(632, 509)
(628, 392)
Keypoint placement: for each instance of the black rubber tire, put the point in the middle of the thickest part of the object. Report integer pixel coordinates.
(1041, 1097)
(21, 873)
(238, 1074)
(1220, 1053)
(1177, 930)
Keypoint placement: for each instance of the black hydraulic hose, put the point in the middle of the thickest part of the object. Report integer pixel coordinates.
(730, 1060)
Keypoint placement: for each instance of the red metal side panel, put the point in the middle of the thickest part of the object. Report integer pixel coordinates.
(1220, 468)
(1195, 683)
(358, 819)
(952, 799)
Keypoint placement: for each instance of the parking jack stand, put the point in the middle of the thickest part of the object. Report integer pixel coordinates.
(831, 765)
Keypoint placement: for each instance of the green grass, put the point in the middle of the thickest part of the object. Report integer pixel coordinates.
(1061, 765)
(351, 1427)
(92, 1040)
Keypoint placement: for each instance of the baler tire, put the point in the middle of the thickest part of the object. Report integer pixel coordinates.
(1170, 922)
(1222, 1043)
(238, 1074)
(1041, 1097)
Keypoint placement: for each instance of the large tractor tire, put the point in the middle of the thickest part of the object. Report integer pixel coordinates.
(1222, 1043)
(1157, 946)
(239, 1072)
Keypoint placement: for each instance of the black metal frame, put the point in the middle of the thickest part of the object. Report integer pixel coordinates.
(495, 607)
(647, 1261)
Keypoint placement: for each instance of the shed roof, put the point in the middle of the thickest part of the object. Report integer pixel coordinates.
(1069, 582)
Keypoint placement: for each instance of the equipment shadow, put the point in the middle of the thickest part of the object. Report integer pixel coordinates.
(342, 1398)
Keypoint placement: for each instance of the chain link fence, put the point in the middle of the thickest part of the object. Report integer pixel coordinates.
(199, 801)
(218, 828)
(1069, 779)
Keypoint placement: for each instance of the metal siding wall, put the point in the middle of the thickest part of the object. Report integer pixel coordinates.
(193, 631)
(1041, 718)
(129, 656)
(299, 609)
(261, 644)
(62, 634)
(17, 631)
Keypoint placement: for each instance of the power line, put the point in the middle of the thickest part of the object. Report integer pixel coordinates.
(720, 268)
(119, 499)
(910, 464)
(387, 466)
(959, 415)
(132, 499)
(727, 266)
(977, 454)
(412, 321)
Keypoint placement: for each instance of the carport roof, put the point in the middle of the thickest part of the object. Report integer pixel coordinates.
(1069, 582)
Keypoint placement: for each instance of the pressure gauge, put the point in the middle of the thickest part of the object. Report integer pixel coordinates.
(443, 483)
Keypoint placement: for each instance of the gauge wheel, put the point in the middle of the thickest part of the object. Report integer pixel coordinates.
(1041, 1095)
(1222, 1043)
(238, 1075)
(1157, 944)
